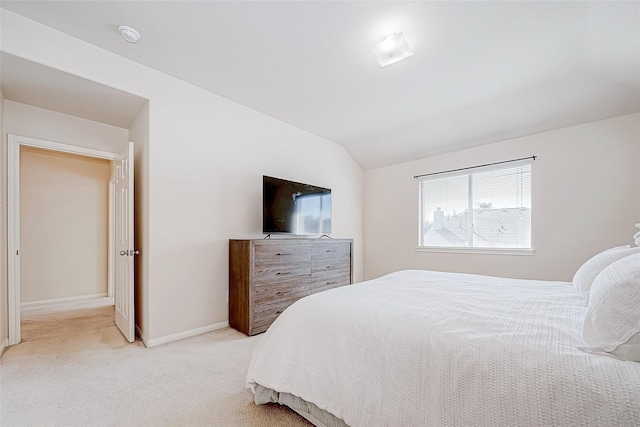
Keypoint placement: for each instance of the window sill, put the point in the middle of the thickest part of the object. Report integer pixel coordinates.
(482, 251)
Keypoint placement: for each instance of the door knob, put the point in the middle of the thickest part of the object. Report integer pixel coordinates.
(129, 253)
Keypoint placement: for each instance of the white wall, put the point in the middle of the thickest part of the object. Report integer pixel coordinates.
(206, 158)
(27, 120)
(585, 199)
(64, 202)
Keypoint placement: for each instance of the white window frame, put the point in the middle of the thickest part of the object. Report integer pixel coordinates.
(471, 249)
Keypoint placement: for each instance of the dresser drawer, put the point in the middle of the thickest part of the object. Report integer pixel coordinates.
(264, 315)
(331, 250)
(330, 281)
(269, 254)
(323, 266)
(268, 274)
(281, 291)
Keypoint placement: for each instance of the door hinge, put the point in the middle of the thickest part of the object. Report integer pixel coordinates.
(16, 252)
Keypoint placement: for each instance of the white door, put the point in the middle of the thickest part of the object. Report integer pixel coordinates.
(124, 249)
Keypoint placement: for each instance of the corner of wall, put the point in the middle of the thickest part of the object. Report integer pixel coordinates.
(4, 309)
(139, 135)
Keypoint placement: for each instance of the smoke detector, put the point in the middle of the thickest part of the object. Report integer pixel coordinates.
(129, 34)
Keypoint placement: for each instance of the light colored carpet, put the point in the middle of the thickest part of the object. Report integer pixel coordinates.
(76, 369)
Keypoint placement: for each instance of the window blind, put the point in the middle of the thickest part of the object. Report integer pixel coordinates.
(486, 207)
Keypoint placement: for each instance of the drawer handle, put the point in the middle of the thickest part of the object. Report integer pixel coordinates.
(282, 293)
(281, 253)
(331, 283)
(331, 250)
(281, 273)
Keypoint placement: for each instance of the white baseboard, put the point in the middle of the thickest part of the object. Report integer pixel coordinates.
(3, 346)
(182, 335)
(65, 304)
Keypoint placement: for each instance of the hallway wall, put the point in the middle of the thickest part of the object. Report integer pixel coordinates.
(64, 207)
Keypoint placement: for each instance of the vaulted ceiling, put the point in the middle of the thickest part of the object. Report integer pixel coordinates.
(482, 71)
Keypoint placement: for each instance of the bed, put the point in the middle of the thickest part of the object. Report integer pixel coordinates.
(425, 348)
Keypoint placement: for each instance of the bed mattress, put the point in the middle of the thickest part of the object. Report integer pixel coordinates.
(423, 348)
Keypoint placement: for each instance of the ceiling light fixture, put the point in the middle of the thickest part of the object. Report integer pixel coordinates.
(391, 50)
(129, 34)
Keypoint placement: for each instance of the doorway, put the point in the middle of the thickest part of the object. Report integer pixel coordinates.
(14, 222)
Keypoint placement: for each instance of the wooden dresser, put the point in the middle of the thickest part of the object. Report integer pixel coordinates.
(267, 276)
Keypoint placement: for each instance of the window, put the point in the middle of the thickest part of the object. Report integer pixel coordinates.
(488, 207)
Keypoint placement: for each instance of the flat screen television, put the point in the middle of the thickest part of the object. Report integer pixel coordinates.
(295, 208)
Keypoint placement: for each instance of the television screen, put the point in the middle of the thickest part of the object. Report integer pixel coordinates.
(295, 208)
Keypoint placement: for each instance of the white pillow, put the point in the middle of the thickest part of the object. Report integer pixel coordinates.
(586, 274)
(612, 322)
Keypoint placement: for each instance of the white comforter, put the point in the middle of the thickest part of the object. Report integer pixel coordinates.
(420, 348)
